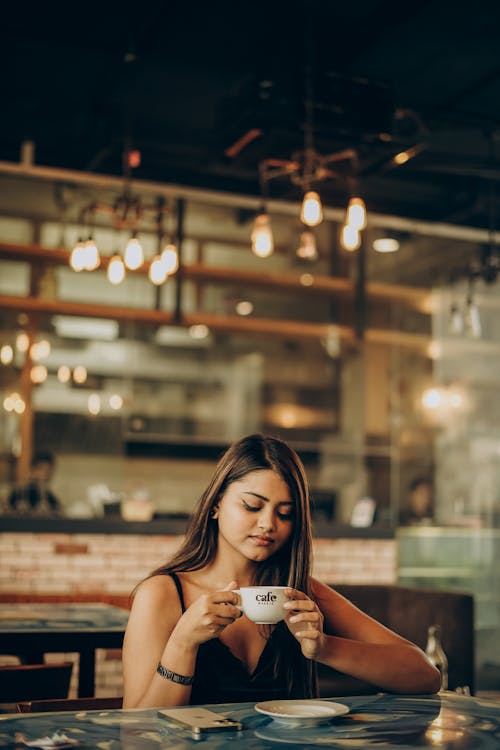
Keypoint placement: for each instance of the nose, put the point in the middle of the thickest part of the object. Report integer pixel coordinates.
(266, 519)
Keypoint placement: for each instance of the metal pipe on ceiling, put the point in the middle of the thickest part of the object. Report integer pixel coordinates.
(27, 169)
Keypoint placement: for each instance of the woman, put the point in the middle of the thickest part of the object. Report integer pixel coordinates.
(188, 642)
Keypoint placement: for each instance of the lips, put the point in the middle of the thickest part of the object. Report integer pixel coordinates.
(263, 541)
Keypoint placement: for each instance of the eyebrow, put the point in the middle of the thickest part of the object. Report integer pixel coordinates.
(266, 499)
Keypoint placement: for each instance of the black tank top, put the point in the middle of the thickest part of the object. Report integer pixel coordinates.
(220, 677)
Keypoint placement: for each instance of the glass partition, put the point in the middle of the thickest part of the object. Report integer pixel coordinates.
(334, 353)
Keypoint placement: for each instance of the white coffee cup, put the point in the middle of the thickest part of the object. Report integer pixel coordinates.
(263, 604)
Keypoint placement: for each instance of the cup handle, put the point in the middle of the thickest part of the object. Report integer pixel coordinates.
(237, 591)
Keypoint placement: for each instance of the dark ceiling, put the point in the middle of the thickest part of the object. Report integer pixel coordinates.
(184, 82)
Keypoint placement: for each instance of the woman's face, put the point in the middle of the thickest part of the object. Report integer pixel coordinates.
(256, 515)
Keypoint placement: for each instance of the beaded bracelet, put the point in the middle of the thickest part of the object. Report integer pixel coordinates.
(167, 674)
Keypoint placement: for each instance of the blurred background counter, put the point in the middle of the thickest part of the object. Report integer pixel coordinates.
(101, 560)
(57, 559)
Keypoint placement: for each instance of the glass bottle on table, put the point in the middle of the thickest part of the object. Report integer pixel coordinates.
(436, 655)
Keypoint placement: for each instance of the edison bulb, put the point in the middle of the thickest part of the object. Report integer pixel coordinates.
(311, 213)
(116, 270)
(170, 258)
(350, 238)
(356, 213)
(134, 255)
(157, 271)
(262, 236)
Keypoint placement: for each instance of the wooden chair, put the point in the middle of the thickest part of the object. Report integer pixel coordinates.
(24, 682)
(72, 704)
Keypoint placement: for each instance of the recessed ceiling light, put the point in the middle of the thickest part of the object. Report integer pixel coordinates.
(199, 331)
(195, 335)
(244, 307)
(73, 327)
(386, 245)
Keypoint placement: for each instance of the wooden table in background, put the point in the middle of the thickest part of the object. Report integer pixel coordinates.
(31, 630)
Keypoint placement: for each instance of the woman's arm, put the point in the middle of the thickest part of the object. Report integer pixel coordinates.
(158, 632)
(340, 635)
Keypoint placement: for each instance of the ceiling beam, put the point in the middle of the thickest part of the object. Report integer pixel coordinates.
(216, 323)
(304, 283)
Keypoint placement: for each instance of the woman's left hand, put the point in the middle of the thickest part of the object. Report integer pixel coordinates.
(305, 622)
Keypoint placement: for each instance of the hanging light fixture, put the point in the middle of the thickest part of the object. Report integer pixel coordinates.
(311, 212)
(472, 320)
(91, 255)
(304, 169)
(85, 255)
(356, 214)
(116, 270)
(484, 267)
(166, 261)
(77, 259)
(307, 249)
(127, 212)
(456, 320)
(262, 236)
(134, 254)
(170, 258)
(355, 222)
(350, 238)
(168, 255)
(157, 271)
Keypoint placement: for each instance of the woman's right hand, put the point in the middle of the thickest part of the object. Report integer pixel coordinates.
(207, 617)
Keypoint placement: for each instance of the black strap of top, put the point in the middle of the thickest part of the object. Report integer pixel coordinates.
(178, 586)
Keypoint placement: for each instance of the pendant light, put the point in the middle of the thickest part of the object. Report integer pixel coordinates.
(134, 254)
(311, 212)
(262, 236)
(356, 214)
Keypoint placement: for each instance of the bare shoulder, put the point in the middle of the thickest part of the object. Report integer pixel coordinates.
(157, 593)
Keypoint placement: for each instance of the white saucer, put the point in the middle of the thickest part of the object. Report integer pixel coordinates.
(301, 713)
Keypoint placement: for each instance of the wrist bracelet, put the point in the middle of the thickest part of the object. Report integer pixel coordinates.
(167, 674)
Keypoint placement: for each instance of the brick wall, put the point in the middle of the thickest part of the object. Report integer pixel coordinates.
(355, 560)
(106, 567)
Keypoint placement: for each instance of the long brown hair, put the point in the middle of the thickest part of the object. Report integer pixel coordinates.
(290, 566)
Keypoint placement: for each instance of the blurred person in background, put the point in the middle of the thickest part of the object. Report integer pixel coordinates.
(35, 496)
(421, 503)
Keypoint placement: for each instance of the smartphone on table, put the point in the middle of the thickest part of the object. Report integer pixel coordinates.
(199, 719)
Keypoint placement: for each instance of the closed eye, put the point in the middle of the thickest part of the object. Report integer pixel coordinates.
(284, 516)
(251, 508)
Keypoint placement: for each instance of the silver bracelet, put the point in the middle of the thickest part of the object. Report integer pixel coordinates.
(167, 674)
